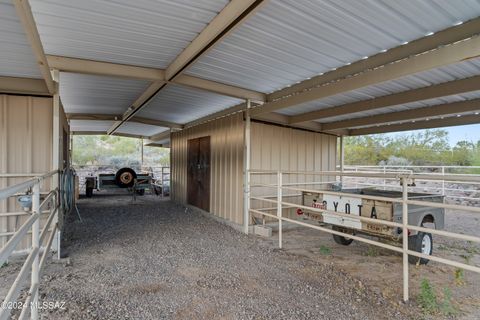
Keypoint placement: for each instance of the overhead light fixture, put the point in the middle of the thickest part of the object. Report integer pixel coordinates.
(458, 23)
(476, 113)
(429, 33)
(405, 42)
(366, 57)
(383, 50)
(459, 115)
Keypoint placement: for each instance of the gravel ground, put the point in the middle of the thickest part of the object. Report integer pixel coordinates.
(158, 260)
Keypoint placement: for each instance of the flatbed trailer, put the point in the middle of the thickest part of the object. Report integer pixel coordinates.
(123, 178)
(376, 209)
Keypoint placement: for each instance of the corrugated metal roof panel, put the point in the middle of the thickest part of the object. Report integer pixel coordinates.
(184, 104)
(288, 41)
(143, 32)
(16, 55)
(98, 94)
(452, 72)
(140, 129)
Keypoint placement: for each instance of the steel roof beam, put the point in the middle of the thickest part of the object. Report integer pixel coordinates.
(425, 93)
(221, 88)
(413, 114)
(443, 37)
(75, 65)
(23, 86)
(231, 16)
(84, 66)
(113, 117)
(98, 133)
(161, 136)
(426, 124)
(24, 13)
(234, 13)
(456, 52)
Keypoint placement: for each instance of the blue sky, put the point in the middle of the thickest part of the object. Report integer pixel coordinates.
(470, 132)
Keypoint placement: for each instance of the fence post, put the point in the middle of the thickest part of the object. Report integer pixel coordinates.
(35, 245)
(443, 181)
(405, 237)
(279, 207)
(384, 180)
(246, 170)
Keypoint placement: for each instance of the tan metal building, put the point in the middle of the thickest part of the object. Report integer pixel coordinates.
(273, 147)
(34, 140)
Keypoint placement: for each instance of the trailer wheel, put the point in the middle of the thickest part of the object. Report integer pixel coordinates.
(125, 177)
(423, 243)
(89, 192)
(340, 239)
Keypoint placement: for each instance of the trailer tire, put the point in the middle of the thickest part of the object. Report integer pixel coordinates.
(421, 242)
(89, 192)
(340, 239)
(125, 177)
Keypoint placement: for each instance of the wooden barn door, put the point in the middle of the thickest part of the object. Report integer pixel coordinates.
(198, 173)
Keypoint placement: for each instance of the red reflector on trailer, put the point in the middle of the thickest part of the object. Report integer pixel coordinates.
(299, 211)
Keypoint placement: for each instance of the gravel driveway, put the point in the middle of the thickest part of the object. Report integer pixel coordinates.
(157, 260)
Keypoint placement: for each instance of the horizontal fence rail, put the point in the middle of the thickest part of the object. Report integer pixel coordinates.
(452, 189)
(300, 182)
(39, 249)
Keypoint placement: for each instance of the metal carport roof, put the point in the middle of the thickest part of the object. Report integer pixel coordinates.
(344, 67)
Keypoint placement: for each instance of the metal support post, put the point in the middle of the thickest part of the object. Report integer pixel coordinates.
(405, 237)
(279, 207)
(35, 246)
(246, 171)
(342, 158)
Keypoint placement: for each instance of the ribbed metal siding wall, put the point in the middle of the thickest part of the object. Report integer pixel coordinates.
(285, 149)
(272, 148)
(227, 141)
(25, 147)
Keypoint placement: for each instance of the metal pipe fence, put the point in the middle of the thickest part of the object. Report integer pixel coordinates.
(453, 190)
(404, 178)
(35, 260)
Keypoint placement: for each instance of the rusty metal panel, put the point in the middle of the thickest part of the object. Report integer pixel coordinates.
(26, 138)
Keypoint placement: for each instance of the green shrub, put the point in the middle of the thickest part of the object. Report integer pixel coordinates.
(326, 251)
(447, 308)
(427, 298)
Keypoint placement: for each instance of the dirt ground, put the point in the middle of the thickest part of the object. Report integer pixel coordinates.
(156, 260)
(381, 269)
(153, 259)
